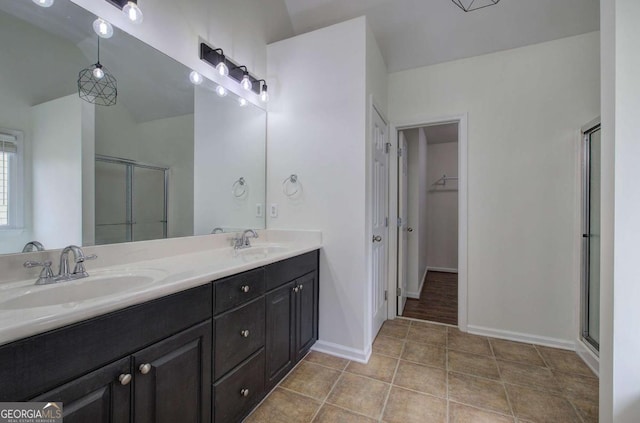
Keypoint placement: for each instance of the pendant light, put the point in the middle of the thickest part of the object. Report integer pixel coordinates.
(96, 85)
(471, 5)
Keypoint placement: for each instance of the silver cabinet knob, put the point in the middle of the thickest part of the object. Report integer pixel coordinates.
(296, 289)
(300, 286)
(244, 288)
(410, 229)
(244, 392)
(124, 378)
(145, 368)
(377, 238)
(245, 333)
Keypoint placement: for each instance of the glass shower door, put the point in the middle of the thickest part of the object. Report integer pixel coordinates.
(112, 203)
(149, 210)
(591, 239)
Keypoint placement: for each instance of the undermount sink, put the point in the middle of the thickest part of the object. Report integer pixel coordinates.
(94, 287)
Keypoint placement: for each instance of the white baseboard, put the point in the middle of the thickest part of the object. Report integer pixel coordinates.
(416, 295)
(588, 356)
(442, 269)
(361, 356)
(522, 337)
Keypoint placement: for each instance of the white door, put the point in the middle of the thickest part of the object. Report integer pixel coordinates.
(403, 207)
(380, 221)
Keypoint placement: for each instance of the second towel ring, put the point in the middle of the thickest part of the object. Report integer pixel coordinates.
(239, 187)
(290, 180)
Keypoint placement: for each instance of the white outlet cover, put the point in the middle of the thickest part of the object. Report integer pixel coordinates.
(273, 210)
(259, 210)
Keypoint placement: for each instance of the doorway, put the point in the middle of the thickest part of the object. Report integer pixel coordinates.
(591, 236)
(430, 199)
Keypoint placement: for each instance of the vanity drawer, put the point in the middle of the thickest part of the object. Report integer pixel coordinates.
(238, 334)
(230, 402)
(238, 289)
(284, 271)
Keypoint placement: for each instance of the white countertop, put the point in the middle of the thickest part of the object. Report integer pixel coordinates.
(170, 274)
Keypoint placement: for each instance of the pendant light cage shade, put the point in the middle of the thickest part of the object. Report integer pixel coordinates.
(101, 91)
(471, 5)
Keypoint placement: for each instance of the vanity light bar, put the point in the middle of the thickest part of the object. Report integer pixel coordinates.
(213, 57)
(130, 9)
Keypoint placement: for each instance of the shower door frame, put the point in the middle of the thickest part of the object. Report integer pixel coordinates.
(585, 288)
(130, 175)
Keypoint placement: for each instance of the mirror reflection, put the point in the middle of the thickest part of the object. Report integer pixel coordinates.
(168, 159)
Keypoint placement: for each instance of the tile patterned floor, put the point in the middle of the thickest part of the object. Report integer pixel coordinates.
(421, 372)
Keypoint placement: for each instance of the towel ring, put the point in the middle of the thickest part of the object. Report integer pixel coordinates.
(239, 187)
(290, 180)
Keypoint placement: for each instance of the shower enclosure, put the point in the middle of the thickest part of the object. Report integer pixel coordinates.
(131, 200)
(591, 235)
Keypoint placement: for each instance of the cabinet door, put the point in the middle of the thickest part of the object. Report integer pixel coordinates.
(173, 378)
(98, 397)
(280, 348)
(306, 313)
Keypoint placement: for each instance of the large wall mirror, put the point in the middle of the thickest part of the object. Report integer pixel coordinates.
(169, 159)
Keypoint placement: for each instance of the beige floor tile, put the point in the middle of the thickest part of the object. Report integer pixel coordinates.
(473, 364)
(538, 406)
(388, 346)
(421, 378)
(459, 413)
(565, 361)
(395, 329)
(360, 394)
(330, 414)
(587, 410)
(427, 335)
(431, 355)
(282, 406)
(379, 367)
(579, 388)
(327, 360)
(434, 326)
(528, 375)
(516, 351)
(461, 341)
(312, 380)
(411, 407)
(478, 392)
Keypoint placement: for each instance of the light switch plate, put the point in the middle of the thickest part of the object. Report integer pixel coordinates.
(273, 210)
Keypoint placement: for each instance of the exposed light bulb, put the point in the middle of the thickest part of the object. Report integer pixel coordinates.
(221, 91)
(103, 28)
(195, 78)
(44, 3)
(98, 73)
(264, 94)
(222, 68)
(246, 82)
(133, 12)
(243, 102)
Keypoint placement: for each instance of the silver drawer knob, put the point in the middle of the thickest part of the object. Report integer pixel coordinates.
(124, 379)
(300, 286)
(244, 392)
(145, 368)
(245, 333)
(296, 289)
(244, 288)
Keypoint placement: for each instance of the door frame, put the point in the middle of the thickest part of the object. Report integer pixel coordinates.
(463, 285)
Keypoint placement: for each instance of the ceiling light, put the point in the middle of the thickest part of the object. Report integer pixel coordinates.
(43, 3)
(133, 12)
(103, 28)
(243, 101)
(221, 91)
(470, 5)
(195, 78)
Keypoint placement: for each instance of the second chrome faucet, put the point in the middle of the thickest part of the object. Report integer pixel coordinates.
(47, 277)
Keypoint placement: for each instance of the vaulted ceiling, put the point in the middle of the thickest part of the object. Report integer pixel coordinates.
(415, 33)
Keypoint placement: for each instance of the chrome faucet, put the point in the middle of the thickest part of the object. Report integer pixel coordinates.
(33, 246)
(79, 258)
(243, 241)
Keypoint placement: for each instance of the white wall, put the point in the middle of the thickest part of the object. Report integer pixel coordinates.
(525, 108)
(418, 210)
(620, 291)
(229, 144)
(242, 28)
(57, 131)
(317, 129)
(442, 203)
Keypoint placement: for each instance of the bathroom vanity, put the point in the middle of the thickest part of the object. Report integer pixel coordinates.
(202, 354)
